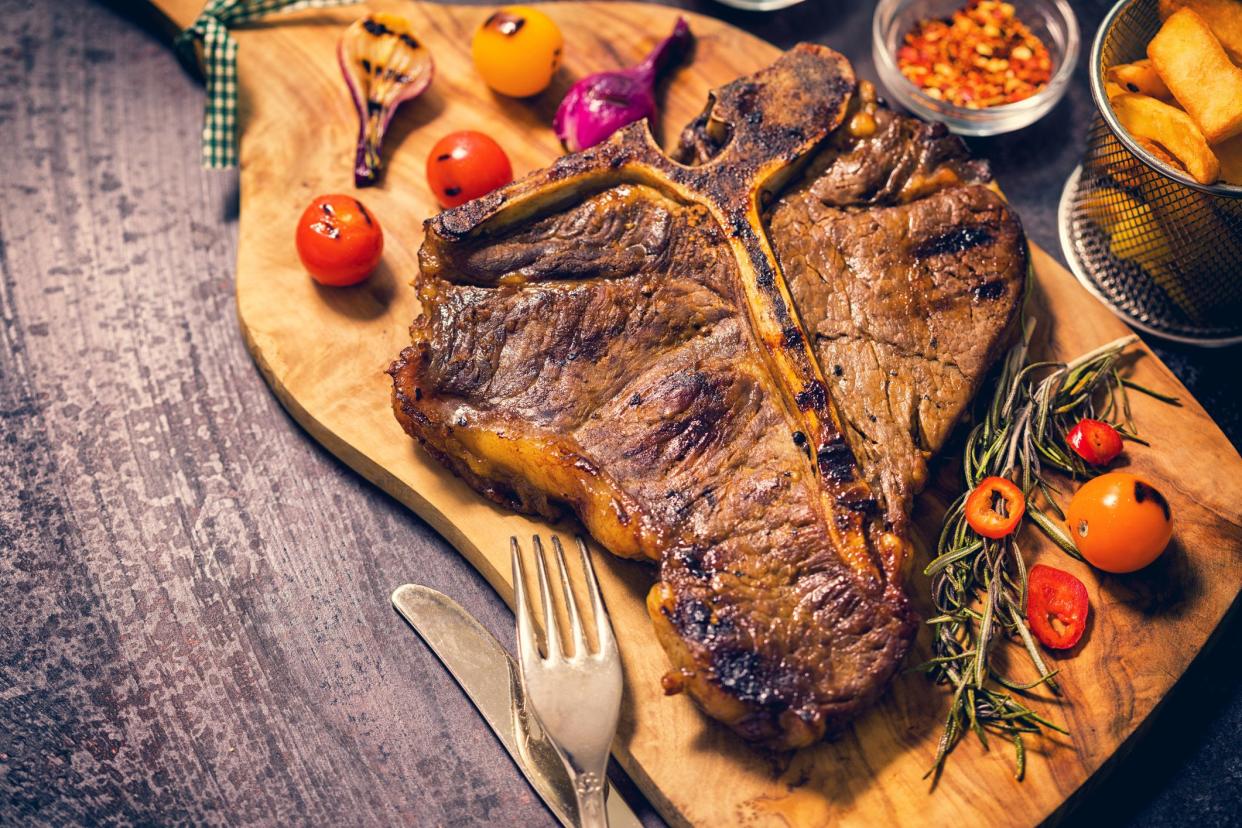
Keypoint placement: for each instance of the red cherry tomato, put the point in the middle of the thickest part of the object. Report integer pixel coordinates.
(465, 165)
(1095, 441)
(339, 241)
(1056, 607)
(994, 509)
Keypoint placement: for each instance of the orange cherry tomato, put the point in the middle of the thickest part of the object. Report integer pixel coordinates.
(517, 51)
(1119, 522)
(994, 509)
(1056, 607)
(339, 241)
(465, 165)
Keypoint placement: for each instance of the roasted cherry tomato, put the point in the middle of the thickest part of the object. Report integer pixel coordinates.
(339, 241)
(1119, 522)
(465, 165)
(1056, 607)
(994, 509)
(1095, 441)
(517, 50)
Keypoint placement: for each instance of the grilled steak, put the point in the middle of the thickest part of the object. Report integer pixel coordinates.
(617, 335)
(908, 273)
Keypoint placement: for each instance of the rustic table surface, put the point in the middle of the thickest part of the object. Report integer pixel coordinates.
(197, 627)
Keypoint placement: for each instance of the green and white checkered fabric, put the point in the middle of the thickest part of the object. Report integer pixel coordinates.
(220, 66)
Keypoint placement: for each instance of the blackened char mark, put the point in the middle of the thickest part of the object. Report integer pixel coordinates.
(813, 396)
(765, 277)
(862, 505)
(988, 291)
(507, 23)
(836, 461)
(955, 241)
(693, 619)
(1143, 492)
(375, 28)
(746, 676)
(692, 560)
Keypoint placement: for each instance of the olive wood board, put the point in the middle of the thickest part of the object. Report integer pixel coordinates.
(324, 353)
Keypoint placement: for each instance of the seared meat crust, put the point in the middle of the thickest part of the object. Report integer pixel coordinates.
(604, 351)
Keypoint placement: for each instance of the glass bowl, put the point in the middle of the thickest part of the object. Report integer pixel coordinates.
(1052, 21)
(759, 5)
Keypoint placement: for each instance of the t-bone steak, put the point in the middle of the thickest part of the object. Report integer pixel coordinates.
(734, 363)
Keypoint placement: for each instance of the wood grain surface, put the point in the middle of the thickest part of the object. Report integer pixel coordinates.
(187, 640)
(323, 352)
(198, 630)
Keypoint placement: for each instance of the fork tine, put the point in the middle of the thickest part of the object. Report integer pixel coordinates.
(528, 650)
(603, 626)
(550, 625)
(571, 604)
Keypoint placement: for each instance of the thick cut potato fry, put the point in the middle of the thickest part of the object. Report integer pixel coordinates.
(1168, 126)
(1224, 17)
(1141, 77)
(1199, 74)
(1158, 151)
(1230, 155)
(1112, 90)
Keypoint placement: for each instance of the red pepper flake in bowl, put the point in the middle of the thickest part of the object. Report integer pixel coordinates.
(980, 57)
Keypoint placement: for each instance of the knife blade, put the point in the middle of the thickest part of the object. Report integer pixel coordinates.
(490, 677)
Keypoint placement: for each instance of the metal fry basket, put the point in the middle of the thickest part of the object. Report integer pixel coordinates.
(1163, 251)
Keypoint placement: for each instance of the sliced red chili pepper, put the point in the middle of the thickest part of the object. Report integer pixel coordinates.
(1056, 607)
(994, 509)
(1095, 441)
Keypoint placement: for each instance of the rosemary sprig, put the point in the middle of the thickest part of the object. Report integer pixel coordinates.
(979, 584)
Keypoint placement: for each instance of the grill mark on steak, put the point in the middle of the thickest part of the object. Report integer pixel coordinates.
(957, 240)
(989, 291)
(604, 351)
(693, 619)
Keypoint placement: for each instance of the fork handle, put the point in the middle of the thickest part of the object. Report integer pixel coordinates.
(589, 790)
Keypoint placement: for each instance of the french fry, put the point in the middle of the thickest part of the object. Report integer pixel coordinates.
(1230, 155)
(1112, 90)
(1168, 126)
(1224, 17)
(1160, 152)
(1199, 74)
(1141, 77)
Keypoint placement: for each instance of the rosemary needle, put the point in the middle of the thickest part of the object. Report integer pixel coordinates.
(979, 584)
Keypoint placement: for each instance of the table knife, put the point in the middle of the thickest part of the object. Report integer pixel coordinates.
(489, 675)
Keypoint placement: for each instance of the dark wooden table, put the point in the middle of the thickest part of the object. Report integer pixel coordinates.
(196, 625)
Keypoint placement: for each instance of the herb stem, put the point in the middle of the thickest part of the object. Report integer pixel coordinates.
(979, 584)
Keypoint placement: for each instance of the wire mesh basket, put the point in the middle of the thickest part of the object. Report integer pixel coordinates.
(1163, 251)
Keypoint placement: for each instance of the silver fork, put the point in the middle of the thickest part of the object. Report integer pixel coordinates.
(577, 696)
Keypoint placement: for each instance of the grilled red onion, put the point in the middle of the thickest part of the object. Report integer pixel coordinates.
(600, 104)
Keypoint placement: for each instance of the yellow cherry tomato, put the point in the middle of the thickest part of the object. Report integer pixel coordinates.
(1119, 522)
(517, 50)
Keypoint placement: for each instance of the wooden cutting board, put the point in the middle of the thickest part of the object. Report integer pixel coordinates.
(324, 352)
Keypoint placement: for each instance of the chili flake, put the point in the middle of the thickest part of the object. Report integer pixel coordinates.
(982, 56)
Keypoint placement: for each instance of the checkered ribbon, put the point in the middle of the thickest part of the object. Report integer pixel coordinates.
(220, 66)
